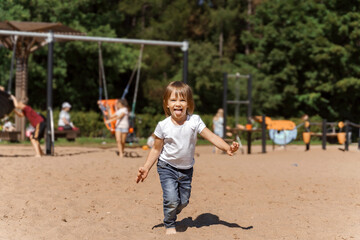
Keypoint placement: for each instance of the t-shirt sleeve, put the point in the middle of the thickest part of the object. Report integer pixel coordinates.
(200, 125)
(158, 131)
(118, 112)
(62, 115)
(26, 110)
(122, 110)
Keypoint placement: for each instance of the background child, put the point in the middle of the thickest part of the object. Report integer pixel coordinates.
(36, 120)
(122, 124)
(174, 147)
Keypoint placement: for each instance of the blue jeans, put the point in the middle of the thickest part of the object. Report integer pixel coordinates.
(176, 186)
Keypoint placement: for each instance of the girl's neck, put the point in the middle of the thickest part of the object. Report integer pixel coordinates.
(178, 121)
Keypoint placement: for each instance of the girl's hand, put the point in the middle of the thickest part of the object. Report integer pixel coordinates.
(233, 148)
(142, 174)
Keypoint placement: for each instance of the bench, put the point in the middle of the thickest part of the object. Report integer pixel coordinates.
(70, 135)
(10, 136)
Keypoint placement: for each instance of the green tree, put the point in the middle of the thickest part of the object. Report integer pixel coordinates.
(305, 56)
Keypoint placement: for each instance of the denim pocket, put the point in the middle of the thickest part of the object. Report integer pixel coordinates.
(161, 164)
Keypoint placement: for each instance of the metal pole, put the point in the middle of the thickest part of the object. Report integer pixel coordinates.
(237, 98)
(185, 49)
(102, 76)
(12, 65)
(249, 141)
(324, 134)
(347, 128)
(263, 131)
(137, 83)
(249, 112)
(359, 140)
(307, 129)
(49, 98)
(225, 85)
(184, 45)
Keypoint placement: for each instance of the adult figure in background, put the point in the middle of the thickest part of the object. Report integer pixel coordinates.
(218, 125)
(122, 124)
(64, 122)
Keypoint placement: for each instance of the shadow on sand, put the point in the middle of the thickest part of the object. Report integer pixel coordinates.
(56, 154)
(203, 220)
(75, 153)
(16, 155)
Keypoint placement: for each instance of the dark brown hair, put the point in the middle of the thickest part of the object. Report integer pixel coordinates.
(124, 102)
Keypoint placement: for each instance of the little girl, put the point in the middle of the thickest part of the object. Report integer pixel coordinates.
(122, 124)
(174, 147)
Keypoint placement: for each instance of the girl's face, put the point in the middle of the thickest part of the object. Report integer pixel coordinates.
(178, 106)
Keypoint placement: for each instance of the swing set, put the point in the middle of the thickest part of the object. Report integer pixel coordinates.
(50, 39)
(6, 103)
(108, 106)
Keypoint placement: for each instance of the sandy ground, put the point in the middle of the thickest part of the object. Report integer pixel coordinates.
(89, 193)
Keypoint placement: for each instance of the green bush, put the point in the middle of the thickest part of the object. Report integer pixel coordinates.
(91, 124)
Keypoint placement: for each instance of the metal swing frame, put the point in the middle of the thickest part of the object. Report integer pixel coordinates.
(50, 39)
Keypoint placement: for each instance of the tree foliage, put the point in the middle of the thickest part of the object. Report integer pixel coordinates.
(303, 55)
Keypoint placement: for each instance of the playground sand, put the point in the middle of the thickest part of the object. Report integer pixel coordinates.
(88, 193)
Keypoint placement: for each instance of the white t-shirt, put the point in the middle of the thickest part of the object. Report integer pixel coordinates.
(179, 141)
(124, 121)
(63, 114)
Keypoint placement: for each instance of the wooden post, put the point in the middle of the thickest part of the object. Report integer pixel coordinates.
(21, 90)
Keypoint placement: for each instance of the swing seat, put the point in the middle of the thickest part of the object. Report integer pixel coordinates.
(282, 137)
(6, 104)
(276, 124)
(108, 105)
(10, 136)
(281, 132)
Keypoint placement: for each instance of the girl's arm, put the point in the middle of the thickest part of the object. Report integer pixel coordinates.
(17, 106)
(219, 142)
(115, 117)
(150, 160)
(20, 114)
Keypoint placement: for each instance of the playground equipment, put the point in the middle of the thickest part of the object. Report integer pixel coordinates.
(6, 107)
(249, 129)
(108, 106)
(50, 37)
(349, 124)
(22, 46)
(324, 134)
(343, 136)
(281, 132)
(6, 104)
